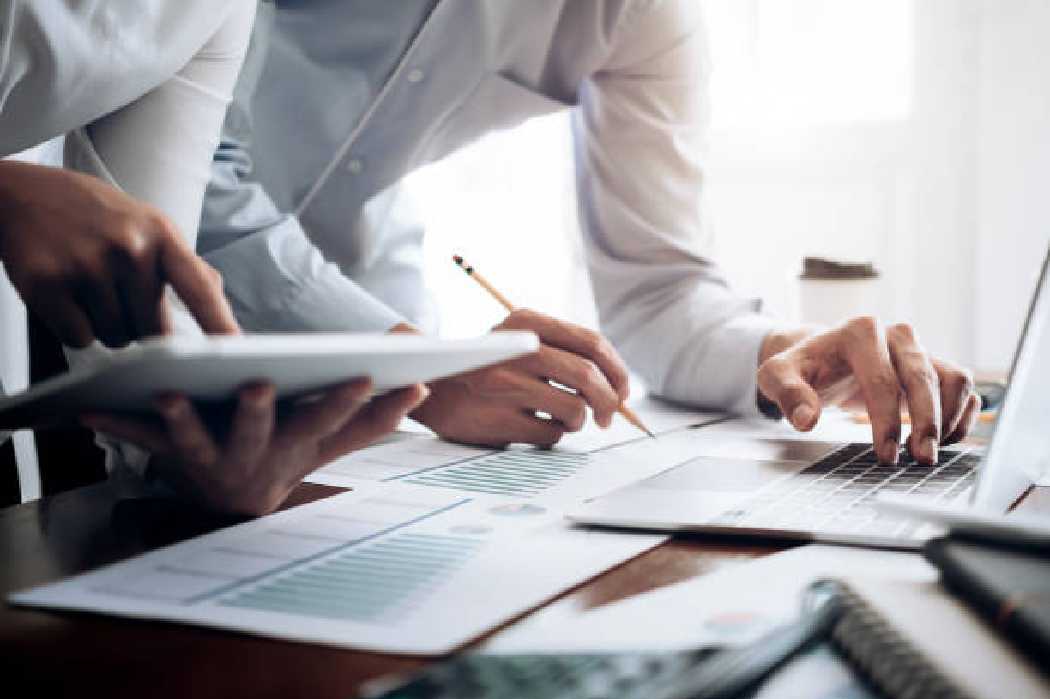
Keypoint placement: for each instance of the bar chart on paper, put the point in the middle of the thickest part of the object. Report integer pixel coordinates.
(413, 457)
(287, 556)
(431, 462)
(518, 473)
(374, 583)
(398, 568)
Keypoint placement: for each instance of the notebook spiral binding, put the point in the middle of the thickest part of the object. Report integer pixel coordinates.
(878, 652)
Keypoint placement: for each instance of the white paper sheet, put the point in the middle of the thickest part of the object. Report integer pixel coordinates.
(422, 458)
(436, 544)
(394, 568)
(731, 605)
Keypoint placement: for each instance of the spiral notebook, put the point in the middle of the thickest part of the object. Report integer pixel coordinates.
(913, 640)
(858, 640)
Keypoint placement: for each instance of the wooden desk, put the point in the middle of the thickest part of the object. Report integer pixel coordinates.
(53, 654)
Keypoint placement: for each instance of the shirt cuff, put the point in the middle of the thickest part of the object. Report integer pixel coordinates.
(334, 303)
(731, 369)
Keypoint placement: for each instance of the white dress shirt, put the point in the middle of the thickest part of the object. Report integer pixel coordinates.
(141, 87)
(304, 216)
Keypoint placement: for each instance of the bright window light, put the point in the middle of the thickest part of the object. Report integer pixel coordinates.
(801, 62)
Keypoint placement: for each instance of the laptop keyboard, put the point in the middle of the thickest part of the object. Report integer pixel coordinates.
(835, 494)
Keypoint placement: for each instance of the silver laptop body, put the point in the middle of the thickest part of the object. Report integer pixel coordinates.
(824, 491)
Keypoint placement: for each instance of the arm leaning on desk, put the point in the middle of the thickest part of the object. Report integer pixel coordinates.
(62, 654)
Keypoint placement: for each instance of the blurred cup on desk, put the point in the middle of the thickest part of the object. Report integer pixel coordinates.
(831, 291)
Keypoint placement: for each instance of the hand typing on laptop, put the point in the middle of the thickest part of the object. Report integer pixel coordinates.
(862, 364)
(249, 463)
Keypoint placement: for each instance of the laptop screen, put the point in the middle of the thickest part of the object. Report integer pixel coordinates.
(1019, 453)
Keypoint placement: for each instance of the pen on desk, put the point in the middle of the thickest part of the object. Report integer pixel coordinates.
(627, 413)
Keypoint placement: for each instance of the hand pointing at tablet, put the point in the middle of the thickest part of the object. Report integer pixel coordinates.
(93, 262)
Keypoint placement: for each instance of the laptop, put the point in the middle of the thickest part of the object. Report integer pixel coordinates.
(828, 491)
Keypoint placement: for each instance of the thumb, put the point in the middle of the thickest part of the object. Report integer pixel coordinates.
(780, 380)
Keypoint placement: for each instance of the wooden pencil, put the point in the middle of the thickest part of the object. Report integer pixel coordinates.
(627, 413)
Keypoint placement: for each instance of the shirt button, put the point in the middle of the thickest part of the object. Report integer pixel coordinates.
(355, 166)
(415, 75)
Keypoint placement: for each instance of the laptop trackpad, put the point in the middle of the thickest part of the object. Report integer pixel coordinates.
(721, 475)
(690, 494)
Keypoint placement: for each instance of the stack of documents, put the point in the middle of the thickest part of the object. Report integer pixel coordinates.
(435, 545)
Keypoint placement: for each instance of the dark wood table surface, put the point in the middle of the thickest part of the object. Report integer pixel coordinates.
(84, 655)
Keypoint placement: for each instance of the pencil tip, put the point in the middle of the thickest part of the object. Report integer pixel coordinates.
(458, 260)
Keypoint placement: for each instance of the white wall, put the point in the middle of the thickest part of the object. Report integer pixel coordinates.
(1013, 169)
(913, 133)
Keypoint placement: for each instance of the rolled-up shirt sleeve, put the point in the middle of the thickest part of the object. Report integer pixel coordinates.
(66, 63)
(639, 140)
(158, 148)
(274, 276)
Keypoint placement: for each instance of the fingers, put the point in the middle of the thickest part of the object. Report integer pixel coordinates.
(319, 419)
(526, 428)
(186, 431)
(780, 380)
(971, 409)
(523, 385)
(253, 424)
(577, 340)
(198, 285)
(957, 390)
(379, 418)
(63, 316)
(141, 433)
(576, 373)
(104, 306)
(142, 289)
(921, 385)
(567, 408)
(864, 347)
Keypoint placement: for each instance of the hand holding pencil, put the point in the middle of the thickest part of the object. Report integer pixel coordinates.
(586, 343)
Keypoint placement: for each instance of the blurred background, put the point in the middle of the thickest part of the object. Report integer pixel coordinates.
(914, 134)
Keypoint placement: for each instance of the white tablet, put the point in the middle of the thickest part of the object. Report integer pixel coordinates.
(212, 369)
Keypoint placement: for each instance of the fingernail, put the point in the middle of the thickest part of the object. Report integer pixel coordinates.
(802, 417)
(929, 445)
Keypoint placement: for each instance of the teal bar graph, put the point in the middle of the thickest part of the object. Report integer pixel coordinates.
(374, 582)
(517, 473)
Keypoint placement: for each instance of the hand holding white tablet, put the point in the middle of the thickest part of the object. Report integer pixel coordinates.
(214, 368)
(249, 459)
(262, 457)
